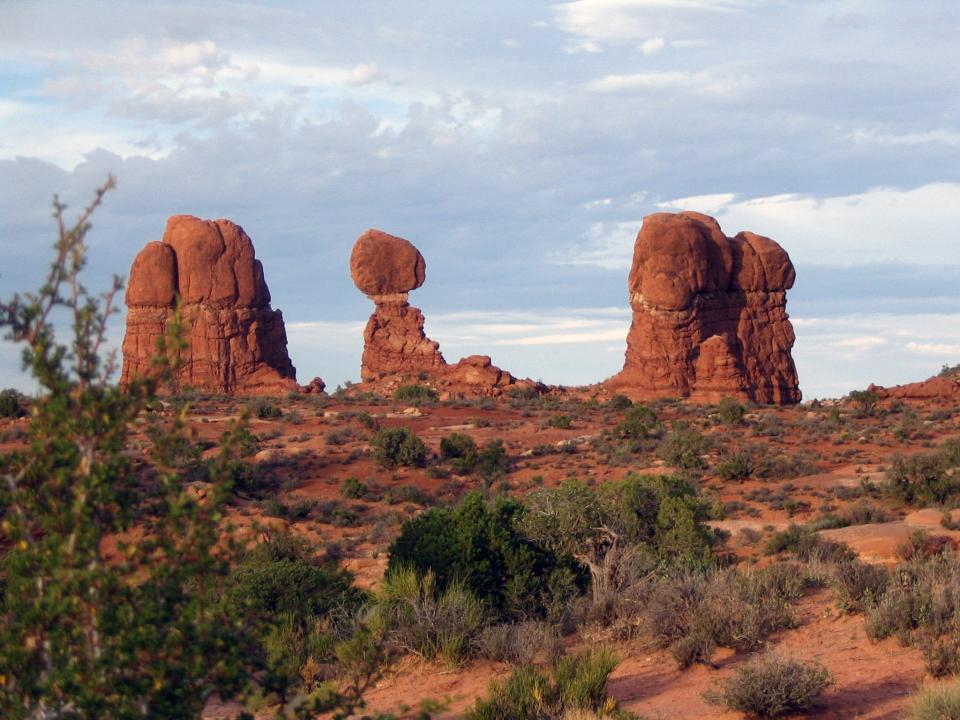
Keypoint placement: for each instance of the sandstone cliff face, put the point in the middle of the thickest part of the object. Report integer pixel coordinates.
(396, 349)
(709, 314)
(235, 342)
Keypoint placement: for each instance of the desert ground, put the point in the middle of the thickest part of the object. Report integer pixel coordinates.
(811, 461)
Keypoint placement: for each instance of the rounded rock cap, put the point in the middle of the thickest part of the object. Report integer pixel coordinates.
(382, 264)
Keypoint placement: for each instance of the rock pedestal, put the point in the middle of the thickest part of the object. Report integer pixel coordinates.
(395, 347)
(235, 342)
(709, 314)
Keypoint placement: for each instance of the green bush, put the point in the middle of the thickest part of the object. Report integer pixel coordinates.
(416, 395)
(270, 582)
(807, 545)
(461, 451)
(937, 703)
(577, 682)
(353, 489)
(731, 411)
(683, 448)
(479, 544)
(924, 478)
(398, 446)
(640, 423)
(492, 461)
(735, 466)
(562, 422)
(610, 528)
(12, 404)
(618, 403)
(865, 401)
(265, 410)
(769, 686)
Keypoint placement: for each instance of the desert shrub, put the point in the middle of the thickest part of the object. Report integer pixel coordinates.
(731, 411)
(619, 403)
(949, 370)
(769, 686)
(858, 585)
(683, 448)
(659, 520)
(264, 409)
(924, 478)
(577, 682)
(562, 422)
(398, 446)
(921, 545)
(280, 577)
(640, 423)
(416, 395)
(941, 656)
(693, 613)
(426, 621)
(937, 703)
(921, 607)
(460, 450)
(492, 461)
(865, 401)
(479, 544)
(12, 404)
(353, 489)
(807, 545)
(735, 466)
(519, 643)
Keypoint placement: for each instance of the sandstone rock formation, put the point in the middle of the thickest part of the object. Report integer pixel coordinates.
(940, 389)
(709, 314)
(395, 348)
(235, 342)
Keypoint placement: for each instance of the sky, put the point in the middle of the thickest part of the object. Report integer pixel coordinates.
(518, 146)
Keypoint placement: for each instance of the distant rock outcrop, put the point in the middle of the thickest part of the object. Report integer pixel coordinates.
(709, 314)
(395, 348)
(936, 390)
(235, 342)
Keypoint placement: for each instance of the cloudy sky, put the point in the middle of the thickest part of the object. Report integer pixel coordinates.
(518, 145)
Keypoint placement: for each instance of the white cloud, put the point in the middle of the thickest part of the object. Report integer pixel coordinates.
(629, 20)
(952, 351)
(950, 138)
(601, 203)
(653, 45)
(701, 82)
(709, 204)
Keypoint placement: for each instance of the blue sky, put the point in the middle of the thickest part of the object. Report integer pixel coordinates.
(518, 145)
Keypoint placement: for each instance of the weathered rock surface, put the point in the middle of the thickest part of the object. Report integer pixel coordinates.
(235, 342)
(709, 314)
(395, 347)
(938, 389)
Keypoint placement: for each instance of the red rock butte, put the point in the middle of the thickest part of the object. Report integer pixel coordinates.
(709, 314)
(395, 347)
(235, 342)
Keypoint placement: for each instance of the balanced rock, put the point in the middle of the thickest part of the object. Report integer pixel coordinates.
(235, 342)
(395, 346)
(709, 314)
